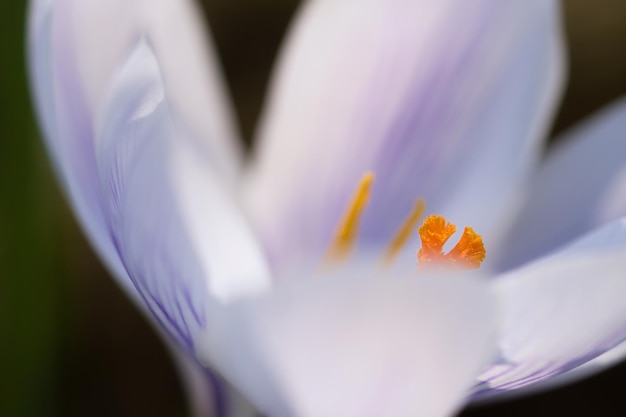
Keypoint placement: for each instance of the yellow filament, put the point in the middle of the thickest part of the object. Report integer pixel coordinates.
(403, 234)
(468, 253)
(347, 232)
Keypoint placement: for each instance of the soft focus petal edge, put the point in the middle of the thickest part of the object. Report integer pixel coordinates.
(559, 313)
(346, 343)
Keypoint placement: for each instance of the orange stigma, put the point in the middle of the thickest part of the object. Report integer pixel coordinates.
(435, 231)
(468, 253)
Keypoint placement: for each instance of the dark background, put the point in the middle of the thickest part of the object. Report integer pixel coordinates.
(72, 345)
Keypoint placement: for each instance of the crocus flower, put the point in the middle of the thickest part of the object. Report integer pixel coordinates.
(444, 100)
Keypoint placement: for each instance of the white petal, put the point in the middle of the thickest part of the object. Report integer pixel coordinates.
(581, 185)
(443, 100)
(562, 311)
(355, 344)
(182, 241)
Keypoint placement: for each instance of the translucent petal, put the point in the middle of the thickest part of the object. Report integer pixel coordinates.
(180, 237)
(581, 185)
(94, 38)
(443, 100)
(560, 312)
(105, 185)
(67, 125)
(354, 344)
(70, 100)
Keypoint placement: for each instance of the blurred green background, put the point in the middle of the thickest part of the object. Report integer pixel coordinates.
(72, 345)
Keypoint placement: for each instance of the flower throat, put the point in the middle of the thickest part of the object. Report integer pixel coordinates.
(434, 232)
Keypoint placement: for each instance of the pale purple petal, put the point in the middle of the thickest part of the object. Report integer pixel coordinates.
(67, 124)
(92, 39)
(106, 31)
(444, 100)
(560, 312)
(601, 363)
(75, 50)
(598, 364)
(356, 343)
(180, 237)
(580, 186)
(130, 182)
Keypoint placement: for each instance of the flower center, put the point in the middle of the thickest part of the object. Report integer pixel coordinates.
(468, 253)
(434, 232)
